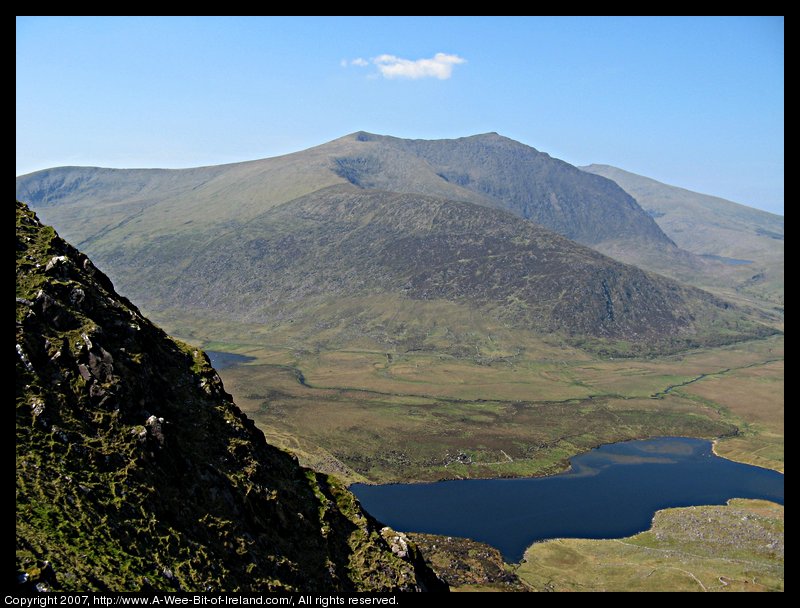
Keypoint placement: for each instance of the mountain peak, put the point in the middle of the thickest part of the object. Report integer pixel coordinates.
(363, 136)
(490, 136)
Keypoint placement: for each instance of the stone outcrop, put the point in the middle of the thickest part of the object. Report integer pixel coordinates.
(136, 471)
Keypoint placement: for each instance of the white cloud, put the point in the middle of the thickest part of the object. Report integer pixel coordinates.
(343, 63)
(439, 66)
(360, 62)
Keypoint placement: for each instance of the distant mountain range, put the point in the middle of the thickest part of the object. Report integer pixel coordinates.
(344, 233)
(503, 173)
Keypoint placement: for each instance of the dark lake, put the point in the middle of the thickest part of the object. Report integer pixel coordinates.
(610, 492)
(221, 360)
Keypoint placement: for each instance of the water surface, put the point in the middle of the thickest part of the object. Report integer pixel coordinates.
(610, 492)
(221, 360)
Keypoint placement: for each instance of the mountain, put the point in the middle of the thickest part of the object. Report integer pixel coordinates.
(512, 176)
(531, 184)
(748, 239)
(343, 236)
(353, 245)
(135, 470)
(89, 204)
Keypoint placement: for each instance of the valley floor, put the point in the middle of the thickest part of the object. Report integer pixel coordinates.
(373, 416)
(381, 417)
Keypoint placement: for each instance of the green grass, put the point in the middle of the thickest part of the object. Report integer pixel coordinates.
(370, 415)
(738, 547)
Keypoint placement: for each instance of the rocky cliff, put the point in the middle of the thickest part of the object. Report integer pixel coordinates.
(135, 470)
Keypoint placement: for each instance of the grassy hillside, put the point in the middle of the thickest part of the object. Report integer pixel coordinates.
(136, 471)
(701, 223)
(716, 228)
(738, 547)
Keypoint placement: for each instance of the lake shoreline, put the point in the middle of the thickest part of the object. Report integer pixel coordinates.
(610, 492)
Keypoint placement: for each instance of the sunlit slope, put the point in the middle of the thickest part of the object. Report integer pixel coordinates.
(714, 227)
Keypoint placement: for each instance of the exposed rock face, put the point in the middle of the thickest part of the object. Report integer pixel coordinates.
(468, 564)
(529, 183)
(135, 470)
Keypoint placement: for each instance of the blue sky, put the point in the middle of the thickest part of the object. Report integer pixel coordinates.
(695, 102)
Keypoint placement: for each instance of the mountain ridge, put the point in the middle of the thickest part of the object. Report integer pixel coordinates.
(748, 241)
(530, 184)
(367, 160)
(167, 240)
(344, 242)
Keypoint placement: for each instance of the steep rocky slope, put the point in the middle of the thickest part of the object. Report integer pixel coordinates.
(531, 184)
(135, 470)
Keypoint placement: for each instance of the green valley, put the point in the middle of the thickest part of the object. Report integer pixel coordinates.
(415, 313)
(377, 416)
